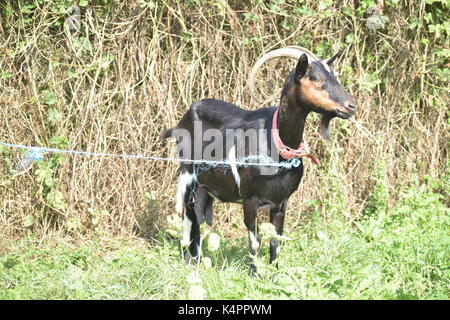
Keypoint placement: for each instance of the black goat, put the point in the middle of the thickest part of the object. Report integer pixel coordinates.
(311, 86)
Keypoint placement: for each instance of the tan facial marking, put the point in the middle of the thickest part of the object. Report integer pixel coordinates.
(317, 96)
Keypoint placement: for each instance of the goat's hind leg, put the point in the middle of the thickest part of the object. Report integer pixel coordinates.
(187, 187)
(250, 212)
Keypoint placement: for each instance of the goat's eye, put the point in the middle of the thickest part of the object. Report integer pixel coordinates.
(319, 83)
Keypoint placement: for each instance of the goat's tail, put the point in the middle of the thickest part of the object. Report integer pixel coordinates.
(168, 133)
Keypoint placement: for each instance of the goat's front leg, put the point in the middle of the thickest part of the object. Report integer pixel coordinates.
(277, 219)
(250, 222)
(191, 228)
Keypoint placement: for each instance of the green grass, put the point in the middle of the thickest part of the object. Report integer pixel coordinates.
(402, 255)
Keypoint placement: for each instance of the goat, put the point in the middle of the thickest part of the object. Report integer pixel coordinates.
(310, 87)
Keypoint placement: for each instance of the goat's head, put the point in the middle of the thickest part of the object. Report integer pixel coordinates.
(312, 85)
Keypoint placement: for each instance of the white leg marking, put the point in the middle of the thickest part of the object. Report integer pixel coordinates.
(199, 252)
(187, 226)
(232, 158)
(253, 241)
(278, 250)
(185, 179)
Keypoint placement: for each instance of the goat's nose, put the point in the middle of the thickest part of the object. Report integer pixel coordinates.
(350, 105)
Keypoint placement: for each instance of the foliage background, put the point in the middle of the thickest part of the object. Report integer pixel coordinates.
(134, 67)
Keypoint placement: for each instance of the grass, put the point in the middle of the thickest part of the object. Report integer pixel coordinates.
(133, 68)
(402, 255)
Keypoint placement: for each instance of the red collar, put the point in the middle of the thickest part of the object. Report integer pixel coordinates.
(286, 152)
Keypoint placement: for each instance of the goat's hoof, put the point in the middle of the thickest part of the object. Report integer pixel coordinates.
(189, 259)
(253, 271)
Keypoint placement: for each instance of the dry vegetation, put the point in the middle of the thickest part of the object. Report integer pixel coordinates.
(134, 67)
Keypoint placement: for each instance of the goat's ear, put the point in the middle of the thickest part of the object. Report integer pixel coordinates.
(330, 61)
(302, 67)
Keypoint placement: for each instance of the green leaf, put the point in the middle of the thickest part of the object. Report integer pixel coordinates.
(56, 200)
(27, 9)
(4, 150)
(325, 4)
(82, 44)
(347, 11)
(74, 224)
(5, 75)
(48, 97)
(28, 221)
(44, 176)
(105, 60)
(59, 142)
(303, 10)
(54, 116)
(444, 2)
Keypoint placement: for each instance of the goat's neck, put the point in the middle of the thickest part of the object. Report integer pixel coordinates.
(291, 121)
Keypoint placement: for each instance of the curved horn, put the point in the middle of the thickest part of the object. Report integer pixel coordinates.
(294, 52)
(304, 50)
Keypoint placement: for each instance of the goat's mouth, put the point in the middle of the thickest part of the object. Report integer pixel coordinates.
(345, 113)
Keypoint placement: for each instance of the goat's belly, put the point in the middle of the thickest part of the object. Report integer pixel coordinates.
(220, 184)
(270, 190)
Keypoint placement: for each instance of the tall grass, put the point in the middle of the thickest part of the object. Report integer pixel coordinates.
(134, 67)
(404, 255)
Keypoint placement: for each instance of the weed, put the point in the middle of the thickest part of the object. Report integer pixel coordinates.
(368, 223)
